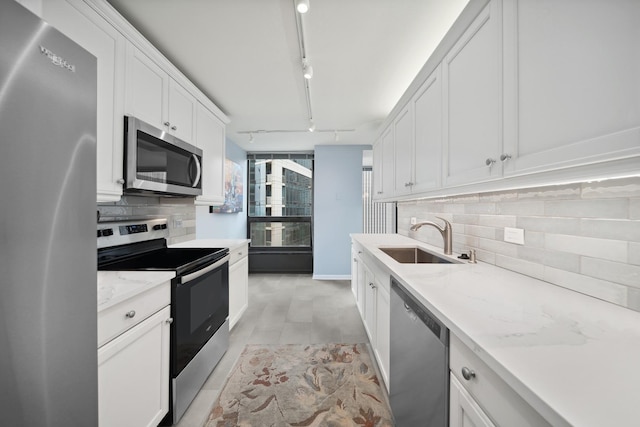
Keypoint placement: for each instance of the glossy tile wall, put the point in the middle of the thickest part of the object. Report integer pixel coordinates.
(584, 236)
(180, 213)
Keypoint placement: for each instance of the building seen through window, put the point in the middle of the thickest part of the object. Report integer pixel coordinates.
(280, 201)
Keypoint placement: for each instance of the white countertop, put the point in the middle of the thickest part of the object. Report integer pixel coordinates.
(573, 358)
(117, 286)
(212, 243)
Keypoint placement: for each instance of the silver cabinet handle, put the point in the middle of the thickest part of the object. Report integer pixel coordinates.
(372, 285)
(379, 192)
(468, 373)
(169, 320)
(120, 181)
(505, 157)
(489, 162)
(166, 123)
(174, 127)
(131, 314)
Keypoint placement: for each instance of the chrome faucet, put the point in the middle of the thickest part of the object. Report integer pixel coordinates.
(445, 231)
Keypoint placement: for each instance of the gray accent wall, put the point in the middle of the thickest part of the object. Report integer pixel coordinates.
(583, 236)
(337, 208)
(225, 226)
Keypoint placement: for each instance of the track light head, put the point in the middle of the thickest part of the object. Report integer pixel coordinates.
(312, 126)
(307, 70)
(302, 6)
(250, 138)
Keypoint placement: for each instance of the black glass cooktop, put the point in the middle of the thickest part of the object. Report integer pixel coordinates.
(154, 255)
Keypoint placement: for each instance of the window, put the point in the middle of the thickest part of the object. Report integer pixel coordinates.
(280, 200)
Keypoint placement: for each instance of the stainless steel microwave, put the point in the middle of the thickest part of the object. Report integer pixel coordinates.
(156, 162)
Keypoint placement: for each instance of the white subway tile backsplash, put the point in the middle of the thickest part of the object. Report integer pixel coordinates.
(614, 250)
(527, 207)
(602, 289)
(522, 266)
(549, 225)
(583, 236)
(611, 229)
(611, 188)
(634, 253)
(618, 272)
(609, 208)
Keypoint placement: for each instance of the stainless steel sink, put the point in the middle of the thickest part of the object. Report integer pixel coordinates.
(414, 255)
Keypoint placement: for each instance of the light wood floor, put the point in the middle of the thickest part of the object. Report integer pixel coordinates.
(283, 309)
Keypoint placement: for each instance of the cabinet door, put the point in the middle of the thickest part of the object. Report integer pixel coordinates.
(572, 86)
(362, 284)
(354, 273)
(463, 410)
(182, 112)
(377, 170)
(82, 24)
(370, 306)
(427, 106)
(133, 375)
(238, 290)
(147, 88)
(383, 330)
(210, 138)
(472, 74)
(388, 163)
(404, 156)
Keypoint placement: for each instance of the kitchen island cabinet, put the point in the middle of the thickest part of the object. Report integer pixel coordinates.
(542, 354)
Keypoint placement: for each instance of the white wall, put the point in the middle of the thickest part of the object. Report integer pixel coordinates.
(220, 225)
(337, 208)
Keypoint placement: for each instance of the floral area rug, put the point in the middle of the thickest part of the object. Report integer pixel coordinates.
(332, 385)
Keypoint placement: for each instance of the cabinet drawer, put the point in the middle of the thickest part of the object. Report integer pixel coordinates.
(238, 253)
(501, 403)
(117, 319)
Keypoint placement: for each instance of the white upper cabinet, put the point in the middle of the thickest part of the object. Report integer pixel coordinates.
(383, 166)
(427, 151)
(210, 135)
(154, 97)
(472, 76)
(403, 146)
(572, 83)
(87, 28)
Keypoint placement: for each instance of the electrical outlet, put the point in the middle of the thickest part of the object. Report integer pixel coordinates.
(414, 220)
(514, 235)
(177, 223)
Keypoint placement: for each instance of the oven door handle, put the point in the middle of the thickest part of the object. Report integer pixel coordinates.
(189, 277)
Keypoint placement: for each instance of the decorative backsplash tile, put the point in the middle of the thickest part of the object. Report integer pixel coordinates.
(583, 236)
(180, 214)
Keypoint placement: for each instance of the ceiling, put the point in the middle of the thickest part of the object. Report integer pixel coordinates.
(245, 56)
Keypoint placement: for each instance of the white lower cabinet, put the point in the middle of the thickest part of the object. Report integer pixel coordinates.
(478, 386)
(238, 284)
(372, 293)
(463, 410)
(133, 374)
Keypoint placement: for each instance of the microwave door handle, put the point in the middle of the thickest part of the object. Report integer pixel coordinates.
(198, 171)
(189, 277)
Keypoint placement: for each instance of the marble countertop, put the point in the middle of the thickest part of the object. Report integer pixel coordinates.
(572, 357)
(212, 243)
(117, 286)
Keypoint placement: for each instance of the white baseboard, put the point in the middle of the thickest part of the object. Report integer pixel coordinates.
(331, 277)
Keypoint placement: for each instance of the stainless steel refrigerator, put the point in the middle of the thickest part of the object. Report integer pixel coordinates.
(48, 352)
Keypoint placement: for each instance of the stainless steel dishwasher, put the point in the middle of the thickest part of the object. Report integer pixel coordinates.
(419, 363)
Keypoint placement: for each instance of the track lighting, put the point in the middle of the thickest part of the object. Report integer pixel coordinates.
(312, 126)
(335, 136)
(307, 70)
(250, 138)
(302, 6)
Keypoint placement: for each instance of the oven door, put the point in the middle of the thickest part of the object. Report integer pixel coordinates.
(200, 305)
